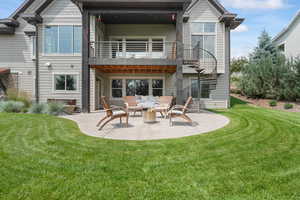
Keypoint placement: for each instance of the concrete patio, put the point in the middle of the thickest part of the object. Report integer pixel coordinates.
(138, 130)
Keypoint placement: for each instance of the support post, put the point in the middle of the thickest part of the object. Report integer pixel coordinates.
(199, 91)
(85, 90)
(37, 71)
(179, 57)
(227, 63)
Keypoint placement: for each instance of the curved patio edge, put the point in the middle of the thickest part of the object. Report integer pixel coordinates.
(203, 122)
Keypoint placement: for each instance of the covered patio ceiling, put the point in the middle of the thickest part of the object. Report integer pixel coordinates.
(135, 69)
(138, 18)
(158, 4)
(4, 71)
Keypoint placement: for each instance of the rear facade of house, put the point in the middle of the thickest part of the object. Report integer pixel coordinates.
(77, 51)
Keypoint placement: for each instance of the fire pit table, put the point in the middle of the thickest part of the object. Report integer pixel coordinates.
(149, 116)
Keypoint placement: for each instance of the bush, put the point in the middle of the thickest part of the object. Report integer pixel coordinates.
(288, 106)
(38, 109)
(55, 109)
(14, 94)
(11, 106)
(273, 103)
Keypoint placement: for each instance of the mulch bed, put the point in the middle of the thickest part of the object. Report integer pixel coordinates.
(265, 103)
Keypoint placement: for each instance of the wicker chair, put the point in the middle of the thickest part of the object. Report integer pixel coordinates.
(112, 113)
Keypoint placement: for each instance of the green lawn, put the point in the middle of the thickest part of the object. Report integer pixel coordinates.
(256, 157)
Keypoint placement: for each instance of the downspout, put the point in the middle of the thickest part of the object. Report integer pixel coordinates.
(37, 71)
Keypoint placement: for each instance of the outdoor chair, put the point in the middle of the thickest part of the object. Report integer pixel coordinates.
(112, 113)
(165, 104)
(132, 105)
(180, 111)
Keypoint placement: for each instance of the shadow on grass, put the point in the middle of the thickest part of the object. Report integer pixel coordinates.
(236, 102)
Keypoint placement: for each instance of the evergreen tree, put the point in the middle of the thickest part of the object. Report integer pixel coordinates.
(265, 48)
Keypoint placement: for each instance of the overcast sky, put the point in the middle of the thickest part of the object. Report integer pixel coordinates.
(271, 15)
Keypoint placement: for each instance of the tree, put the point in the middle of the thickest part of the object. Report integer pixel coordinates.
(237, 64)
(268, 74)
(265, 48)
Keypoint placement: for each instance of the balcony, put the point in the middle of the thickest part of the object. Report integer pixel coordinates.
(133, 52)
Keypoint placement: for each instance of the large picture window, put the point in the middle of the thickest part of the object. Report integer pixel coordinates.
(65, 82)
(62, 39)
(204, 85)
(204, 34)
(137, 87)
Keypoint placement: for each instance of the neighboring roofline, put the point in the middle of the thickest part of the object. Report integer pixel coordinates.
(21, 9)
(287, 28)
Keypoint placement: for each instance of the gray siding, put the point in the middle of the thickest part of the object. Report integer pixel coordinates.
(16, 54)
(60, 12)
(291, 39)
(203, 11)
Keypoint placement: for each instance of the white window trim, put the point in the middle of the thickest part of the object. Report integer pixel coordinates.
(124, 78)
(65, 91)
(195, 78)
(58, 54)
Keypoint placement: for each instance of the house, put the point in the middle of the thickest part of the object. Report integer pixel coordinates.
(80, 50)
(288, 39)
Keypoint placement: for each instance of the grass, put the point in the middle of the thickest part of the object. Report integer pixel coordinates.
(256, 157)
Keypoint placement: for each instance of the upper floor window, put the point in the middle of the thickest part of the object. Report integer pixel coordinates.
(33, 46)
(204, 34)
(203, 27)
(62, 39)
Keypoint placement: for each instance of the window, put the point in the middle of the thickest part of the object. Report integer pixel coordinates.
(62, 39)
(157, 45)
(204, 35)
(33, 46)
(281, 47)
(205, 90)
(203, 27)
(137, 47)
(65, 82)
(117, 87)
(137, 87)
(157, 87)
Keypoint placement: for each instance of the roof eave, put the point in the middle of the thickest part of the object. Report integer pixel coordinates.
(7, 30)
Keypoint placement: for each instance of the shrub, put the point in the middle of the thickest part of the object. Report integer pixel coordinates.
(14, 94)
(11, 106)
(288, 106)
(55, 109)
(38, 109)
(273, 103)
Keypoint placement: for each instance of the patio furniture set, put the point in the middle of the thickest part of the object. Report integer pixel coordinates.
(147, 106)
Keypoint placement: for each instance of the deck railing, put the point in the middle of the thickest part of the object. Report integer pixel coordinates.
(133, 49)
